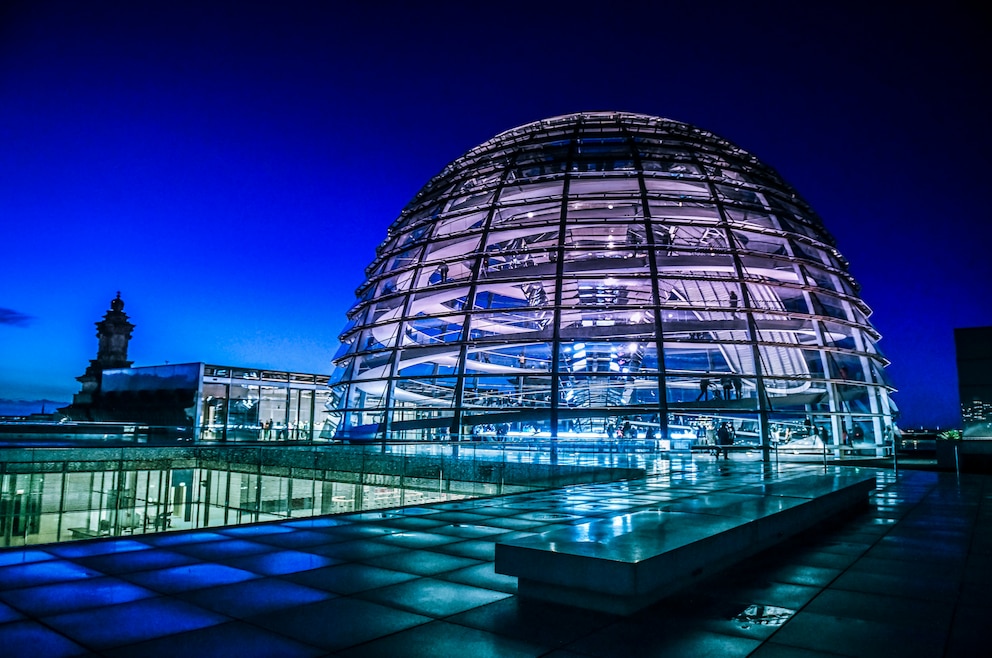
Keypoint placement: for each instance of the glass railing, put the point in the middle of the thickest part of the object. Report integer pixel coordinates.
(58, 494)
(65, 494)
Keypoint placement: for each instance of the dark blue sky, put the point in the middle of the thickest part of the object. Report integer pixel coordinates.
(231, 166)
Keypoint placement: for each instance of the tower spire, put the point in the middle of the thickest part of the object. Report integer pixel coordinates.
(113, 333)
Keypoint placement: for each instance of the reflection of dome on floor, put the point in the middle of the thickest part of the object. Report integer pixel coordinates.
(573, 273)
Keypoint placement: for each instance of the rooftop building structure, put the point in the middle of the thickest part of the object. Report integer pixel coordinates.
(189, 401)
(216, 403)
(610, 274)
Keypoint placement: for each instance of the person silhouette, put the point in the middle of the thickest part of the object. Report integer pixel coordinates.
(665, 241)
(723, 441)
(727, 384)
(704, 389)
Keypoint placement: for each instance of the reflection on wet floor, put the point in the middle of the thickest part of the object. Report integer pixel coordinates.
(763, 615)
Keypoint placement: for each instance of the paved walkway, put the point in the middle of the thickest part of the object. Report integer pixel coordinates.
(908, 577)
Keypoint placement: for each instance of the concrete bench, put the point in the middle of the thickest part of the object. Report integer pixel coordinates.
(624, 563)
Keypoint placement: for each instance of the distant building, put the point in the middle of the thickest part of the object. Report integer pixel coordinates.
(974, 361)
(195, 400)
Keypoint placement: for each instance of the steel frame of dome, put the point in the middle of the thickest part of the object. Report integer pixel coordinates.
(592, 270)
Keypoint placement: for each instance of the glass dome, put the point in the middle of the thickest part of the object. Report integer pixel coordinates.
(607, 273)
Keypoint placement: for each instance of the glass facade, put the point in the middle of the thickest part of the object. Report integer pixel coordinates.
(600, 275)
(243, 404)
(219, 403)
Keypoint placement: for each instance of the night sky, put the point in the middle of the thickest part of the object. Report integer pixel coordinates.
(230, 167)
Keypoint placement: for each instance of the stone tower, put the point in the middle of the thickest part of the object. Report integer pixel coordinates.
(113, 333)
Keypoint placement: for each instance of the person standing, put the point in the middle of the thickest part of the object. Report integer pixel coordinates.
(738, 386)
(665, 241)
(704, 389)
(727, 384)
(723, 441)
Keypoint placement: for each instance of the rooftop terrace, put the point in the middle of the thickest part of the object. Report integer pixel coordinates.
(906, 576)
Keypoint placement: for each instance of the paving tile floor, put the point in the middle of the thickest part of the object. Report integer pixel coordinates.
(909, 575)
